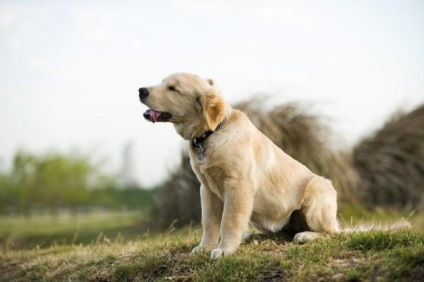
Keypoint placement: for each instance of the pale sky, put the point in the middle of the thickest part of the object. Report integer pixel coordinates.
(70, 70)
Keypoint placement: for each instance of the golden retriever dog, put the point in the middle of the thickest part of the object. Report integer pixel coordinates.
(244, 176)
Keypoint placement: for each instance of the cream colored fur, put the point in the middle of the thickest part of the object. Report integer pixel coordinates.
(244, 176)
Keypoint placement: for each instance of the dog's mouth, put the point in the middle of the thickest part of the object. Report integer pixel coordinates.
(154, 116)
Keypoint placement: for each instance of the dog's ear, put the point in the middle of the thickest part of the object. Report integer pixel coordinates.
(213, 109)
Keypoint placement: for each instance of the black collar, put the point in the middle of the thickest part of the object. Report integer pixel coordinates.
(198, 142)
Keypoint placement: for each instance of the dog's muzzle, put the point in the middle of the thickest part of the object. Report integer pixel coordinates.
(152, 115)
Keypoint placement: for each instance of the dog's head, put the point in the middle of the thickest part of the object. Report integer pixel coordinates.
(192, 104)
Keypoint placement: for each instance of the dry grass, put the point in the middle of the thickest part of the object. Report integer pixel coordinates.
(391, 162)
(302, 135)
(386, 169)
(178, 200)
(306, 138)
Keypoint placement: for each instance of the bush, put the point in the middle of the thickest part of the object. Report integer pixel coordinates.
(306, 138)
(300, 134)
(391, 162)
(385, 169)
(57, 181)
(178, 199)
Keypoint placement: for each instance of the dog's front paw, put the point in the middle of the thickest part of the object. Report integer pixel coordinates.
(198, 249)
(218, 253)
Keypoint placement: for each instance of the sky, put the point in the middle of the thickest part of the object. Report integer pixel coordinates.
(70, 70)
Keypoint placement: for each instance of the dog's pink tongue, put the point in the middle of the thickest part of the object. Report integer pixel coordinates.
(154, 115)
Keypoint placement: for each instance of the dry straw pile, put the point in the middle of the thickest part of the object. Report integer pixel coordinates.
(391, 162)
(386, 169)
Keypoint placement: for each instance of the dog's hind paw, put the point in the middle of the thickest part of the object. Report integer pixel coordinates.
(306, 236)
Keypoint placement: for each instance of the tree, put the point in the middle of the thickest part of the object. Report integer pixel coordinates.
(53, 180)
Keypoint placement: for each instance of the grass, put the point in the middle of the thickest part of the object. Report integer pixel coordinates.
(368, 256)
(372, 256)
(44, 230)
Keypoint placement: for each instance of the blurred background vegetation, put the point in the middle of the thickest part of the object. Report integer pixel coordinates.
(64, 190)
(54, 182)
(384, 170)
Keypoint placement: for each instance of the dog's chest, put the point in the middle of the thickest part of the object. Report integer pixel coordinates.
(211, 179)
(209, 176)
(215, 187)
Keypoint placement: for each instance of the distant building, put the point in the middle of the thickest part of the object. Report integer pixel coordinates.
(127, 172)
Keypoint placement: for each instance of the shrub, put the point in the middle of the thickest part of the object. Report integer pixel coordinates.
(300, 134)
(391, 162)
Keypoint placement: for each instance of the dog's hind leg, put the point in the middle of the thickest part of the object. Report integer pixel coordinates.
(319, 209)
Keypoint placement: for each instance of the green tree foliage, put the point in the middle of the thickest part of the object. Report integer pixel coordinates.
(22, 182)
(49, 181)
(56, 181)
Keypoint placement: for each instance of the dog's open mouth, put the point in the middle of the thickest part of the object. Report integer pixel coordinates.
(155, 116)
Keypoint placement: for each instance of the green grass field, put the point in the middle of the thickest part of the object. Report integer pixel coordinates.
(113, 247)
(40, 231)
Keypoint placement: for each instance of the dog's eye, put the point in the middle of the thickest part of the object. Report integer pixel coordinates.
(172, 88)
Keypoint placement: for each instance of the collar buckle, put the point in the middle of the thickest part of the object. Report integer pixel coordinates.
(198, 142)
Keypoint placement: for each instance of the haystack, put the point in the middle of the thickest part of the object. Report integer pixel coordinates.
(299, 133)
(391, 162)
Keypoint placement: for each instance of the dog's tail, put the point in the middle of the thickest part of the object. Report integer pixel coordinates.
(402, 224)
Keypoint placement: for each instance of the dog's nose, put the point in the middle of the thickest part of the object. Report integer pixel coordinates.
(143, 92)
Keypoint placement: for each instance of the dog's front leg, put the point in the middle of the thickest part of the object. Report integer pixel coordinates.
(238, 205)
(211, 219)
